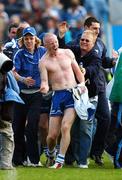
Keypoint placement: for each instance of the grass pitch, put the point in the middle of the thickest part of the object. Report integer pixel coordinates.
(106, 172)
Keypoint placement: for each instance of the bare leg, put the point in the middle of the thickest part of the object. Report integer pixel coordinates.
(54, 130)
(67, 121)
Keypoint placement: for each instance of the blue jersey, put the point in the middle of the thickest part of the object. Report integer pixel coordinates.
(26, 64)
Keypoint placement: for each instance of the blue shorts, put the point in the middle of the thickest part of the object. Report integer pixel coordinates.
(61, 100)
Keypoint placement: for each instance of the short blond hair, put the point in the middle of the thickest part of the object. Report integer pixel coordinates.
(90, 32)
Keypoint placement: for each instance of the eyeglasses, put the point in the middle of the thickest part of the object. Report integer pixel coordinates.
(86, 40)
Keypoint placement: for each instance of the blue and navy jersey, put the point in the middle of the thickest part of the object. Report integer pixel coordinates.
(99, 47)
(101, 50)
(92, 64)
(26, 65)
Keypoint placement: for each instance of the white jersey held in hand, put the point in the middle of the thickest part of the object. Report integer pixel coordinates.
(85, 107)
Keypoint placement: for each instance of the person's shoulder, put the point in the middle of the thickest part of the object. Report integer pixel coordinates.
(99, 47)
(66, 51)
(43, 58)
(19, 52)
(99, 42)
(42, 48)
(94, 52)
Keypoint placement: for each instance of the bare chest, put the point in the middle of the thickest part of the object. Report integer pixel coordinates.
(59, 64)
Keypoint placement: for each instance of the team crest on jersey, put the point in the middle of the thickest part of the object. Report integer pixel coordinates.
(96, 50)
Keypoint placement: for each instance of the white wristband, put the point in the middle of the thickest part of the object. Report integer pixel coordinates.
(81, 84)
(21, 79)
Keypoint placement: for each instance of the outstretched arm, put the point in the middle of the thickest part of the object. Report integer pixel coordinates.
(44, 87)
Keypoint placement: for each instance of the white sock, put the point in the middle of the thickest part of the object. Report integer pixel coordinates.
(60, 158)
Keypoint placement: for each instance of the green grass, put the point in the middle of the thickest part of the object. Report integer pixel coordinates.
(107, 172)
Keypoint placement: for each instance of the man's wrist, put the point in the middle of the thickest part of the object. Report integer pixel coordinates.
(81, 84)
(22, 79)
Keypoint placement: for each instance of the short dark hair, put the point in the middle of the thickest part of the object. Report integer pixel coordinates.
(13, 25)
(88, 22)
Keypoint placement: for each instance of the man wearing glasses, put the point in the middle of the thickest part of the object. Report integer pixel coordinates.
(102, 113)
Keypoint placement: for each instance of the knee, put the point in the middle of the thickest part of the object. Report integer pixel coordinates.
(51, 137)
(65, 128)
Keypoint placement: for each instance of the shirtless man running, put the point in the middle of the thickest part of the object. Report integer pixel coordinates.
(59, 68)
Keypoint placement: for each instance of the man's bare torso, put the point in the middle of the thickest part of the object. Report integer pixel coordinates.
(60, 71)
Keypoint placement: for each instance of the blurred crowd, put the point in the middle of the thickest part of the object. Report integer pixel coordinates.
(45, 14)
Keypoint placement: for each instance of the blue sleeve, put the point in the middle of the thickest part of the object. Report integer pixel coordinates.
(17, 60)
(42, 51)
